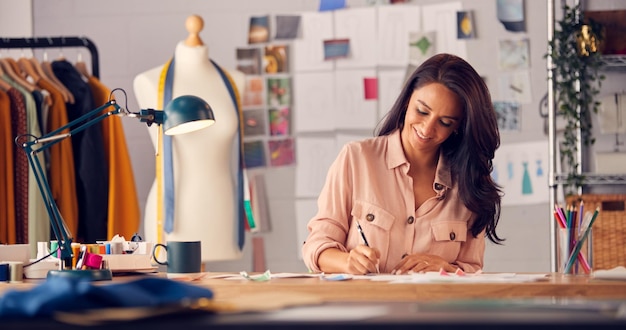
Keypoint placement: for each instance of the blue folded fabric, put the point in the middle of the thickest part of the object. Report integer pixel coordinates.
(76, 294)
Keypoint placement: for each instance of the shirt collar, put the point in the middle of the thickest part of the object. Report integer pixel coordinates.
(395, 157)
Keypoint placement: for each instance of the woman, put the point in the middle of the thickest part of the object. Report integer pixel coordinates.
(421, 190)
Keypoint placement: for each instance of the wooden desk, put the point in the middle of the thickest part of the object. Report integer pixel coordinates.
(556, 286)
(403, 306)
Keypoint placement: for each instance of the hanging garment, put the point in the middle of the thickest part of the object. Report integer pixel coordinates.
(19, 127)
(123, 211)
(61, 169)
(7, 197)
(92, 178)
(35, 226)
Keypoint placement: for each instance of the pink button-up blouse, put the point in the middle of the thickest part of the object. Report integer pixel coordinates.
(368, 182)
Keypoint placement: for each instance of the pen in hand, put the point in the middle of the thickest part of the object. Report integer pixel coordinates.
(362, 234)
(358, 226)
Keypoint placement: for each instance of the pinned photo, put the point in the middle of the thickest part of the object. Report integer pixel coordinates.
(465, 25)
(275, 59)
(259, 31)
(336, 48)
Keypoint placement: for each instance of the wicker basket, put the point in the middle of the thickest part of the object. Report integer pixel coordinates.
(609, 230)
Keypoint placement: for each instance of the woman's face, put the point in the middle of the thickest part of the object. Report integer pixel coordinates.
(433, 113)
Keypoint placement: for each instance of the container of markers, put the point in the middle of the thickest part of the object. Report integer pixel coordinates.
(579, 264)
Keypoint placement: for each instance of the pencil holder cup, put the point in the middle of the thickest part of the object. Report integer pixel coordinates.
(568, 262)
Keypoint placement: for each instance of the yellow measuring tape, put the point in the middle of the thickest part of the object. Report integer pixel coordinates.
(159, 156)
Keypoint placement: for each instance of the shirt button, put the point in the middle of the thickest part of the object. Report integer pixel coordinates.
(438, 186)
(370, 217)
(452, 236)
(410, 220)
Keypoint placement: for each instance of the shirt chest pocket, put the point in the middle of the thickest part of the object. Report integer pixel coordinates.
(449, 231)
(376, 223)
(369, 215)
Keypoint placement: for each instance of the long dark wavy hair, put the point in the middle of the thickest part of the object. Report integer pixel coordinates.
(470, 151)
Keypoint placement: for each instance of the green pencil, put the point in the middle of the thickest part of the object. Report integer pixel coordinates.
(581, 241)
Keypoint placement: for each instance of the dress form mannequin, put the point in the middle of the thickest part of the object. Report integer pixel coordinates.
(204, 163)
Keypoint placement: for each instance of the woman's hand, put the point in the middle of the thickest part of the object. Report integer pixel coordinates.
(420, 263)
(362, 260)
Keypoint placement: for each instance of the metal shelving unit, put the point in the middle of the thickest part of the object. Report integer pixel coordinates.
(612, 63)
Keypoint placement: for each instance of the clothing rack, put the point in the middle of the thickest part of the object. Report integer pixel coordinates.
(55, 42)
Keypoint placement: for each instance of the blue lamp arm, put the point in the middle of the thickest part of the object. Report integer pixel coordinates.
(33, 146)
(186, 110)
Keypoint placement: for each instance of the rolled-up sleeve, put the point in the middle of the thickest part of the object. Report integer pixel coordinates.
(329, 227)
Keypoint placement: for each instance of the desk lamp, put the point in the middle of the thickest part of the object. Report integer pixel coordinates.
(183, 114)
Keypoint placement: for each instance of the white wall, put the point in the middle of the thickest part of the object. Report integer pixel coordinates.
(133, 36)
(16, 18)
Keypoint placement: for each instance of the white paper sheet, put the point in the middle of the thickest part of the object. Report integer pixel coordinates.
(308, 51)
(521, 169)
(390, 83)
(314, 101)
(358, 25)
(314, 155)
(394, 25)
(352, 110)
(442, 18)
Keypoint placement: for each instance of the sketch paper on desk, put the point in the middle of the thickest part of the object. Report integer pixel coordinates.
(521, 169)
(436, 277)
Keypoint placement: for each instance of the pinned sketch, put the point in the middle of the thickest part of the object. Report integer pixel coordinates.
(422, 45)
(511, 15)
(394, 25)
(314, 155)
(515, 87)
(441, 17)
(508, 115)
(308, 51)
(353, 110)
(314, 94)
(390, 83)
(520, 169)
(513, 55)
(356, 25)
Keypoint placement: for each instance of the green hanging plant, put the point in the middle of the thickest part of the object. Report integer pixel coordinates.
(577, 62)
